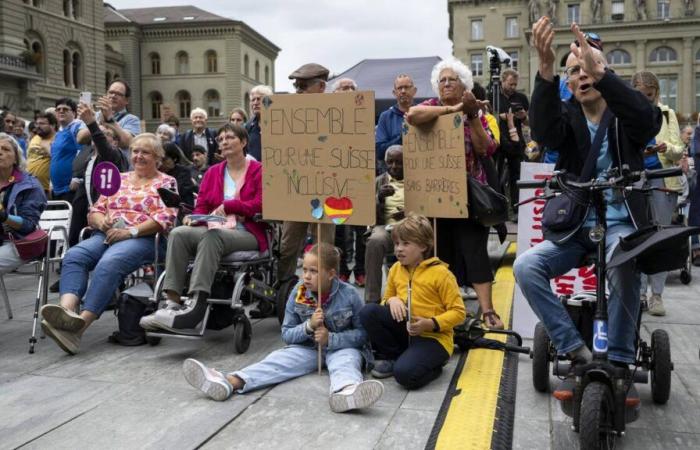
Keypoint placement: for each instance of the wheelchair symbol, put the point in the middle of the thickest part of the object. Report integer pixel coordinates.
(600, 336)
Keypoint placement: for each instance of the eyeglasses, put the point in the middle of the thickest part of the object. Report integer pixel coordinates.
(63, 109)
(226, 137)
(116, 94)
(447, 80)
(573, 71)
(302, 85)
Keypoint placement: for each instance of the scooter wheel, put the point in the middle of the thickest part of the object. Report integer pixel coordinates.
(661, 366)
(282, 296)
(242, 334)
(596, 419)
(686, 277)
(540, 359)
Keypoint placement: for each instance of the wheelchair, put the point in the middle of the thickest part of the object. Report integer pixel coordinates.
(599, 405)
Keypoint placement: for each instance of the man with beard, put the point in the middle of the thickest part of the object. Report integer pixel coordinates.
(39, 149)
(388, 131)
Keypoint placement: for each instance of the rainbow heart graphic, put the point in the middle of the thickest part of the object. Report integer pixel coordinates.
(338, 209)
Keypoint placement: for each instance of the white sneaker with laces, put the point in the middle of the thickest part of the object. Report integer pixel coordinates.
(210, 381)
(356, 396)
(150, 323)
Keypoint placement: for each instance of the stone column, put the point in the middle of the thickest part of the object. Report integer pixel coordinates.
(686, 96)
(641, 59)
(233, 95)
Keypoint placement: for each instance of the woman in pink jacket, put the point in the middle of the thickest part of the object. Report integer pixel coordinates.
(231, 190)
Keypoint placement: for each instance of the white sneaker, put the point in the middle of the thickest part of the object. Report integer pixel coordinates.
(149, 322)
(357, 396)
(656, 306)
(178, 317)
(467, 292)
(210, 381)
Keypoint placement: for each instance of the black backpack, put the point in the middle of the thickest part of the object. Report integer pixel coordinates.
(130, 309)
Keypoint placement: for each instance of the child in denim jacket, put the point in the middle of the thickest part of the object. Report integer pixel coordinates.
(335, 325)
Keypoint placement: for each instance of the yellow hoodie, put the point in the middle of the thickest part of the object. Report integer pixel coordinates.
(434, 293)
(670, 133)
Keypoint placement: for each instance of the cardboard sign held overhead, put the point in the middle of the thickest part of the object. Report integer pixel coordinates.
(434, 168)
(318, 157)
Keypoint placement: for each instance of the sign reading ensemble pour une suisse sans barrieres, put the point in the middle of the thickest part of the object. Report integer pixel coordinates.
(318, 158)
(434, 168)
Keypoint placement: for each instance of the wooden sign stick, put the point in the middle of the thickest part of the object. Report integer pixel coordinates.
(319, 303)
(435, 237)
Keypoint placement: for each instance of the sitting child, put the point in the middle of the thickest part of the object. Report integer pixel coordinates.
(414, 350)
(335, 325)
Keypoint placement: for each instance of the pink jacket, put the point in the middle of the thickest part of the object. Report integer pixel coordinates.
(211, 195)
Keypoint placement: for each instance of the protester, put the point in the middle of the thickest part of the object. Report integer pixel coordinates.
(253, 125)
(201, 135)
(308, 79)
(165, 133)
(199, 163)
(344, 85)
(390, 210)
(388, 130)
(335, 325)
(39, 149)
(462, 243)
(113, 114)
(636, 121)
(22, 201)
(174, 122)
(8, 121)
(177, 166)
(665, 151)
(125, 226)
(414, 345)
(694, 211)
(71, 136)
(231, 189)
(18, 134)
(238, 117)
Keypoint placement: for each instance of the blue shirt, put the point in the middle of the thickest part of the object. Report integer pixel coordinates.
(63, 151)
(616, 212)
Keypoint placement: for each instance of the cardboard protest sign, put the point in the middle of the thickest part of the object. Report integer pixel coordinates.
(434, 168)
(318, 157)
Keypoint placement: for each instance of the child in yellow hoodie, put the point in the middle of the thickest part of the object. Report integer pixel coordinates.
(413, 339)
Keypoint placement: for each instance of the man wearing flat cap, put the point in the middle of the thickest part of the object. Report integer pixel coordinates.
(308, 79)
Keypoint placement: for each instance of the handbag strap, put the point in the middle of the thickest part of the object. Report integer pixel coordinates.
(593, 153)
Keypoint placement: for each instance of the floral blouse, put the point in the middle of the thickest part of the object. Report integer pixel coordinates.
(474, 167)
(136, 204)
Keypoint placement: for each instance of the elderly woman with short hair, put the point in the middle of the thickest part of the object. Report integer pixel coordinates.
(125, 226)
(462, 243)
(166, 133)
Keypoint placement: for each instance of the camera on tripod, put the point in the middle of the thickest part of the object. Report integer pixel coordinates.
(497, 57)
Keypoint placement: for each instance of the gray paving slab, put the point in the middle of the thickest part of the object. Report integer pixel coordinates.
(408, 429)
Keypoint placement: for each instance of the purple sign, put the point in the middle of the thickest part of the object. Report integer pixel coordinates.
(106, 178)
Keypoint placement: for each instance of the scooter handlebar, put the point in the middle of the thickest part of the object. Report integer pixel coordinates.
(663, 173)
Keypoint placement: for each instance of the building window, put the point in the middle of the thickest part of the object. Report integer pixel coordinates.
(66, 8)
(155, 64)
(663, 54)
(75, 8)
(697, 56)
(619, 57)
(77, 70)
(212, 103)
(246, 102)
(477, 30)
(512, 27)
(618, 10)
(668, 91)
(71, 8)
(183, 63)
(663, 9)
(108, 79)
(257, 70)
(67, 69)
(573, 13)
(267, 75)
(513, 60)
(210, 56)
(35, 51)
(246, 65)
(477, 63)
(184, 103)
(156, 101)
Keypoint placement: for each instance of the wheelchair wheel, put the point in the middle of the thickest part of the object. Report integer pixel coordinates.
(661, 366)
(596, 419)
(282, 296)
(153, 341)
(540, 359)
(686, 277)
(242, 334)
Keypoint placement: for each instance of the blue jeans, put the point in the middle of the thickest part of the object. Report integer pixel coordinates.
(109, 264)
(534, 269)
(344, 367)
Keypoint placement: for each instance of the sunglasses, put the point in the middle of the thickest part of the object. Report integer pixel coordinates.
(593, 40)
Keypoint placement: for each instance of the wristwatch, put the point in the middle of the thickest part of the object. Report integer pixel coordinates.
(134, 232)
(110, 120)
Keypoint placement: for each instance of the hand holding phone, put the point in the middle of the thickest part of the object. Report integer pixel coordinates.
(86, 97)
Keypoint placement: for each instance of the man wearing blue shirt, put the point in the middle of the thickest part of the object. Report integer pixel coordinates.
(388, 131)
(113, 113)
(71, 136)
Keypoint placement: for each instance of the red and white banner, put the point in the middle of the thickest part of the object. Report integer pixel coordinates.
(529, 235)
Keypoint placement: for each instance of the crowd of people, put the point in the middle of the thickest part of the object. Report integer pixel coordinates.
(219, 172)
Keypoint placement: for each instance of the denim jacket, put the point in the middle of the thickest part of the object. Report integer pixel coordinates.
(342, 318)
(27, 200)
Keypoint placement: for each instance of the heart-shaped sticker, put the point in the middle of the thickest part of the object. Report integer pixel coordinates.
(338, 210)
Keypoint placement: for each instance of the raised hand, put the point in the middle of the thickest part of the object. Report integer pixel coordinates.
(590, 60)
(542, 37)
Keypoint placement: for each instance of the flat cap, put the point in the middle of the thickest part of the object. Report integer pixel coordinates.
(309, 71)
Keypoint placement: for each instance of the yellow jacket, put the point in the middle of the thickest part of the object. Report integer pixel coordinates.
(670, 133)
(493, 126)
(434, 294)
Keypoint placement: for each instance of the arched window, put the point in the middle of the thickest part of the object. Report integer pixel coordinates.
(156, 100)
(619, 57)
(246, 65)
(257, 70)
(246, 100)
(184, 103)
(697, 56)
(66, 8)
(663, 54)
(108, 79)
(75, 8)
(35, 49)
(183, 63)
(77, 70)
(267, 75)
(212, 103)
(155, 63)
(67, 72)
(210, 57)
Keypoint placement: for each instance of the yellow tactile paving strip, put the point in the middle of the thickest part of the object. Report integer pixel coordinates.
(469, 422)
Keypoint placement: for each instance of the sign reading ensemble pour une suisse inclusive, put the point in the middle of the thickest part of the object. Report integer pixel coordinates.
(434, 168)
(318, 157)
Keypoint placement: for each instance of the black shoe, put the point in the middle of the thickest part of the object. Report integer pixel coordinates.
(55, 287)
